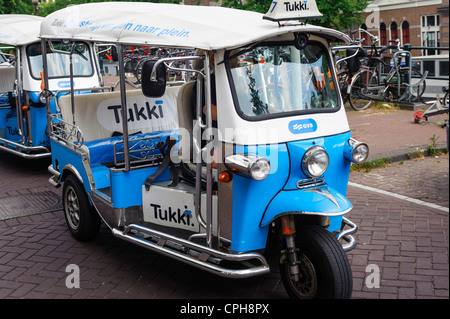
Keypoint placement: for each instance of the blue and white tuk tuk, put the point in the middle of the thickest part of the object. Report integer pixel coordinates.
(23, 115)
(240, 172)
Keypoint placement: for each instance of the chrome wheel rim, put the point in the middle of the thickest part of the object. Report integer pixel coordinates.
(72, 208)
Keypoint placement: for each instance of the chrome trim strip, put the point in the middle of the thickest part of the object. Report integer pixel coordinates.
(324, 191)
(21, 148)
(194, 254)
(310, 182)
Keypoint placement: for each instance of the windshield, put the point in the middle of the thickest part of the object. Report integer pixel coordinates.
(59, 63)
(275, 79)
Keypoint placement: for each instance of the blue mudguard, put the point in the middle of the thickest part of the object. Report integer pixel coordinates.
(322, 200)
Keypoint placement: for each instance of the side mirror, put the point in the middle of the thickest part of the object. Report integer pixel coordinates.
(153, 88)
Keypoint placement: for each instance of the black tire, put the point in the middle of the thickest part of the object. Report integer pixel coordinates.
(446, 100)
(360, 84)
(81, 219)
(344, 76)
(325, 271)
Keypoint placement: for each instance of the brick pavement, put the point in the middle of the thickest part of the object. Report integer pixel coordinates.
(407, 241)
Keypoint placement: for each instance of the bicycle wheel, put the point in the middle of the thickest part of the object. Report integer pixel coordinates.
(446, 100)
(344, 78)
(359, 97)
(416, 91)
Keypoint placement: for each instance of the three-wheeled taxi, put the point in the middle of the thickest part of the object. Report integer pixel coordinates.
(23, 115)
(239, 172)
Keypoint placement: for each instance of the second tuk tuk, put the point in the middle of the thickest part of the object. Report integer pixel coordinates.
(242, 171)
(23, 115)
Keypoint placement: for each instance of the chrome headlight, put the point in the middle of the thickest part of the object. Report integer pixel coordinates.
(315, 161)
(254, 166)
(356, 152)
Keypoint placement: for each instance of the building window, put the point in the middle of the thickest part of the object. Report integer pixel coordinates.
(383, 36)
(405, 33)
(430, 34)
(363, 35)
(394, 33)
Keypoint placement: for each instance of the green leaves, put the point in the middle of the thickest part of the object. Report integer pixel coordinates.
(16, 6)
(337, 14)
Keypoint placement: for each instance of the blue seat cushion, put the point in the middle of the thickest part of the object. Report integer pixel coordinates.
(102, 151)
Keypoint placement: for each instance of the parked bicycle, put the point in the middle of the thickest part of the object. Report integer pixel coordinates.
(160, 53)
(445, 100)
(402, 83)
(348, 65)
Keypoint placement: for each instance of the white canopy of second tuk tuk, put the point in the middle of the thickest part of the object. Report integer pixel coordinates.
(19, 29)
(173, 25)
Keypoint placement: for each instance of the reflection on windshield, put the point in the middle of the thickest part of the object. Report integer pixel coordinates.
(59, 63)
(277, 79)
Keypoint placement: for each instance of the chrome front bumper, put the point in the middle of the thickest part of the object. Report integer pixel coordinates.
(346, 235)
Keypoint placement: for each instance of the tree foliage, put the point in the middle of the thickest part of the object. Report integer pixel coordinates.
(337, 14)
(50, 7)
(45, 8)
(16, 7)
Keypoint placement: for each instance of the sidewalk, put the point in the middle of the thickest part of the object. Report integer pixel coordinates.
(392, 132)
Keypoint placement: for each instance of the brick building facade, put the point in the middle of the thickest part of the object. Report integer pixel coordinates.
(421, 23)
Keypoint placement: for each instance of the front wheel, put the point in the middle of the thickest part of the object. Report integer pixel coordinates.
(404, 76)
(446, 100)
(362, 87)
(82, 220)
(324, 269)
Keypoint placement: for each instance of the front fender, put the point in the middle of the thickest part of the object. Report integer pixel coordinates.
(323, 200)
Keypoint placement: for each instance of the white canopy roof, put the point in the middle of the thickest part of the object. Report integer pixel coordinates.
(156, 24)
(19, 29)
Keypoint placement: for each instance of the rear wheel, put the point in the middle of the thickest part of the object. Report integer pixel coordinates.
(82, 220)
(324, 269)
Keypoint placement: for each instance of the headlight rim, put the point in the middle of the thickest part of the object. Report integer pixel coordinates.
(259, 160)
(246, 164)
(308, 156)
(355, 147)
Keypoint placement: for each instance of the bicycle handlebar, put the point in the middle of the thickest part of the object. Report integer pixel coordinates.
(373, 37)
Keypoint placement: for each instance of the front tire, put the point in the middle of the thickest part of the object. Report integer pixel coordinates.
(325, 271)
(81, 219)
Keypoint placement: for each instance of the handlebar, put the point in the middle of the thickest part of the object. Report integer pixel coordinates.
(374, 38)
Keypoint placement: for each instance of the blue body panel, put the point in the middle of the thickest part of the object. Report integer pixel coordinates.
(65, 156)
(126, 187)
(257, 203)
(38, 121)
(250, 197)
